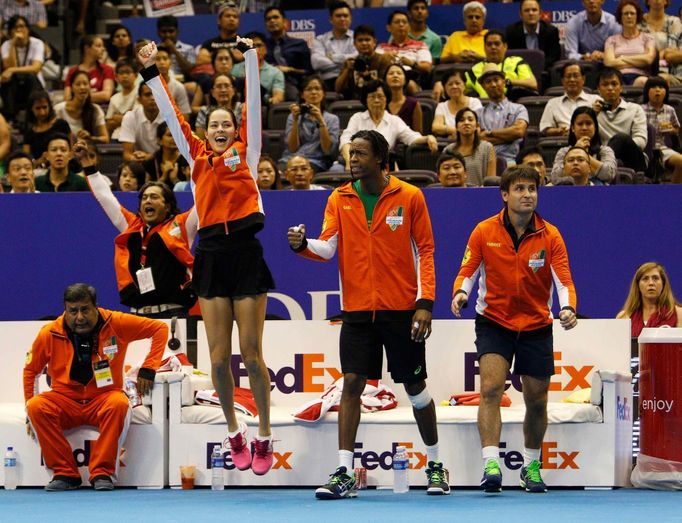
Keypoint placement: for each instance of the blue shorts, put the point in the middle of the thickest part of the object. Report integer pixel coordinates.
(532, 352)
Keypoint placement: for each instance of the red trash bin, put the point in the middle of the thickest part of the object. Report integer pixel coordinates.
(660, 393)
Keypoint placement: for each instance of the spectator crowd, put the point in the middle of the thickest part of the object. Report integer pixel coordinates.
(599, 107)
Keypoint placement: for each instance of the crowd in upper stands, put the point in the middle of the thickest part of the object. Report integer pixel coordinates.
(599, 108)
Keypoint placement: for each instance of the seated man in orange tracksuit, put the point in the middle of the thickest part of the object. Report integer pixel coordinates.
(84, 350)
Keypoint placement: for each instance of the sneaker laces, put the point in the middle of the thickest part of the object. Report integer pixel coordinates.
(338, 477)
(492, 467)
(437, 474)
(238, 442)
(533, 471)
(263, 447)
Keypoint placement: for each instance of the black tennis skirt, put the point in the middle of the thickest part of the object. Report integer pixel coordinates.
(230, 268)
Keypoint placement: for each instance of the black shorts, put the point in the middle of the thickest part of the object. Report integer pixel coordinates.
(531, 351)
(362, 344)
(230, 268)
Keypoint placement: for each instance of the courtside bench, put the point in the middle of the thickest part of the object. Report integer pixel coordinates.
(586, 445)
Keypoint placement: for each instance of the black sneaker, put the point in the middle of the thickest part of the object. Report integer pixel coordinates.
(62, 483)
(531, 479)
(102, 483)
(492, 477)
(340, 486)
(438, 478)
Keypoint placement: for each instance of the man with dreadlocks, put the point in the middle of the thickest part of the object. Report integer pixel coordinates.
(383, 232)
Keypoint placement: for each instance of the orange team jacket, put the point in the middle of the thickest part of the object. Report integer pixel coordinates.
(53, 348)
(515, 288)
(225, 190)
(177, 233)
(387, 268)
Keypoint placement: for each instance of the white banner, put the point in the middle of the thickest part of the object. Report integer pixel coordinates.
(156, 8)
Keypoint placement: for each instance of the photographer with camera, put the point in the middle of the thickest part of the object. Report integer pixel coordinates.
(368, 65)
(622, 125)
(311, 131)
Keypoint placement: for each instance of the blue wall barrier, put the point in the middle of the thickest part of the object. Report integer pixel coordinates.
(52, 240)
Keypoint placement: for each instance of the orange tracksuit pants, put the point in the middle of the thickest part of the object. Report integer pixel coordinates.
(52, 413)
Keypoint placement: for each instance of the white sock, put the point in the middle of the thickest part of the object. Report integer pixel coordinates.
(346, 460)
(240, 428)
(530, 455)
(432, 453)
(490, 452)
(264, 438)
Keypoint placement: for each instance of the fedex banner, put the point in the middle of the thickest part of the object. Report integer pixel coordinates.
(303, 359)
(52, 240)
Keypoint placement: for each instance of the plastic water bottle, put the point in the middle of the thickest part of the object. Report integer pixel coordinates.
(11, 473)
(401, 480)
(217, 470)
(131, 392)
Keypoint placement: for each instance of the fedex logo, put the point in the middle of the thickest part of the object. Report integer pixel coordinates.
(281, 459)
(304, 376)
(577, 376)
(372, 460)
(82, 455)
(551, 457)
(623, 410)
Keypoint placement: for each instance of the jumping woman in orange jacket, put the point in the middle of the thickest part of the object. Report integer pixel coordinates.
(231, 277)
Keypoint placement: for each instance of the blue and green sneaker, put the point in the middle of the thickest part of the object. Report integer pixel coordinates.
(531, 479)
(492, 477)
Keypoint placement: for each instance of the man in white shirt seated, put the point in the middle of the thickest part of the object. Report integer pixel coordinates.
(622, 125)
(556, 117)
(331, 49)
(138, 128)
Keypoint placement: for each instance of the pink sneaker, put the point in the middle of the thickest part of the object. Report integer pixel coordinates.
(262, 458)
(239, 450)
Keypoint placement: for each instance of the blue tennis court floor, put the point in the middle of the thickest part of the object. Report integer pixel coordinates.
(371, 506)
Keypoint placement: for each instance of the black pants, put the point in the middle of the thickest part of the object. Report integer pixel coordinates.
(626, 150)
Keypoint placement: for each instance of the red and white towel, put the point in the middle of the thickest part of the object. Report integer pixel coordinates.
(375, 397)
(243, 400)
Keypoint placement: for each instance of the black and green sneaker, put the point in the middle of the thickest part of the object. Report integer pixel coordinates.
(340, 485)
(531, 479)
(439, 479)
(492, 477)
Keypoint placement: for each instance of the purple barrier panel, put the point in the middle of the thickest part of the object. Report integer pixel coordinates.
(52, 240)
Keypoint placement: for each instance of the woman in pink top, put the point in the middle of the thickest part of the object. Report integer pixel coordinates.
(632, 52)
(650, 302)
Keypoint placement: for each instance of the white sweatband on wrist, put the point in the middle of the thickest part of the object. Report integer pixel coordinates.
(421, 400)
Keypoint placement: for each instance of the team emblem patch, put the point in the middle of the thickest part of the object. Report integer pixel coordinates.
(537, 260)
(232, 159)
(394, 217)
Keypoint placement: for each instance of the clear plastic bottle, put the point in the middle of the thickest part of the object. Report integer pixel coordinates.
(217, 469)
(131, 392)
(11, 472)
(401, 480)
